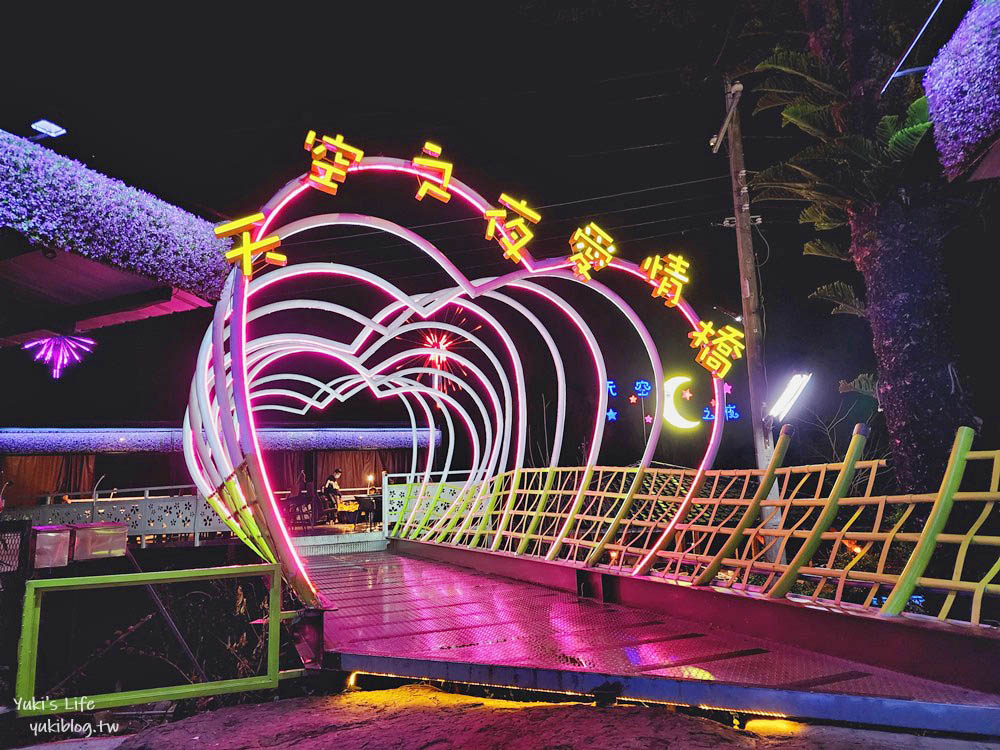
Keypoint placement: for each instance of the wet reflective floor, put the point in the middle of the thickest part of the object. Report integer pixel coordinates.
(394, 606)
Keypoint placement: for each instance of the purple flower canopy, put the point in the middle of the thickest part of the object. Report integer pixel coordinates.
(47, 440)
(59, 203)
(963, 89)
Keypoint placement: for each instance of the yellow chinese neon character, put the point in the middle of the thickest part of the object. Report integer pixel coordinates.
(331, 158)
(718, 348)
(244, 252)
(668, 275)
(435, 165)
(519, 233)
(593, 250)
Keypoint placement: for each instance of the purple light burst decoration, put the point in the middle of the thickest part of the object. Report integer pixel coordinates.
(59, 351)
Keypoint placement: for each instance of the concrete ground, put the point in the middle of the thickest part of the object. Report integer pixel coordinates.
(424, 718)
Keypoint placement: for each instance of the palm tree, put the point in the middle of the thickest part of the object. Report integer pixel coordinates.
(873, 190)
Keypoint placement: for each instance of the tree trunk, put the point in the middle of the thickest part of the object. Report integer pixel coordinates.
(897, 248)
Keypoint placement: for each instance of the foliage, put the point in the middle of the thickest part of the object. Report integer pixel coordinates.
(843, 169)
(60, 204)
(865, 384)
(843, 296)
(826, 249)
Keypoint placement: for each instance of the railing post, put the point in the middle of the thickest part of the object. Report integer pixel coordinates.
(570, 521)
(536, 517)
(750, 515)
(498, 481)
(385, 504)
(515, 483)
(812, 542)
(274, 625)
(430, 511)
(924, 550)
(27, 647)
(596, 552)
(197, 515)
(402, 510)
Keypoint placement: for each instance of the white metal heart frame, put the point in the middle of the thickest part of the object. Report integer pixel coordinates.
(489, 403)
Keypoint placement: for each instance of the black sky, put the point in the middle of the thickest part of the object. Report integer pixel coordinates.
(567, 105)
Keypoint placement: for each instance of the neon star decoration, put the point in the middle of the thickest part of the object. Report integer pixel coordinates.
(671, 414)
(648, 418)
(244, 249)
(58, 352)
(612, 415)
(633, 399)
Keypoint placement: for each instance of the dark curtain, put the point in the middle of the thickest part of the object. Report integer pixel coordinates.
(397, 460)
(284, 469)
(31, 476)
(78, 473)
(359, 465)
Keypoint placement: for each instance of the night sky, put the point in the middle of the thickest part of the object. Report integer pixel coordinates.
(589, 113)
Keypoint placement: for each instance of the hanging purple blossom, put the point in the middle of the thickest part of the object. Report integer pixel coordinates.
(59, 351)
(963, 89)
(60, 204)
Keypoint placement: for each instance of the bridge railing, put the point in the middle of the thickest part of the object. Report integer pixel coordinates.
(172, 512)
(823, 533)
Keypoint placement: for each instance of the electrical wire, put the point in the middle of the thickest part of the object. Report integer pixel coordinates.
(766, 244)
(574, 217)
(465, 251)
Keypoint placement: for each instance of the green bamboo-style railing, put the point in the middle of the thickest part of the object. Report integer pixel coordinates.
(814, 532)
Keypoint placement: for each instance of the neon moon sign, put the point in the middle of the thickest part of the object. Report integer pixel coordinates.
(241, 373)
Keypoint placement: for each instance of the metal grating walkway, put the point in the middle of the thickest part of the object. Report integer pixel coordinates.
(419, 618)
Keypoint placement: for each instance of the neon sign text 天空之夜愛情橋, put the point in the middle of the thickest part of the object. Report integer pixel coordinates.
(221, 441)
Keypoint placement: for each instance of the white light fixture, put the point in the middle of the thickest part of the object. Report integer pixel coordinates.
(790, 395)
(48, 128)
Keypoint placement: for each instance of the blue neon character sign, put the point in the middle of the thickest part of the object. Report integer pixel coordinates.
(643, 388)
(731, 413)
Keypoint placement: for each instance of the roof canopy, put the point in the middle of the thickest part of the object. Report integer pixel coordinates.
(51, 440)
(79, 250)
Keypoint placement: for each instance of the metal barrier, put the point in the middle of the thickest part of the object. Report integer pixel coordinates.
(826, 536)
(146, 513)
(30, 705)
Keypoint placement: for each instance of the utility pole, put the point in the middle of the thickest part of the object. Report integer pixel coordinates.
(749, 290)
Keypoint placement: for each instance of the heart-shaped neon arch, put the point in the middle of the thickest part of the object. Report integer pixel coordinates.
(221, 445)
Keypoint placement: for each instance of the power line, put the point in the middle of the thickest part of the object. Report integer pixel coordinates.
(465, 251)
(551, 205)
(559, 220)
